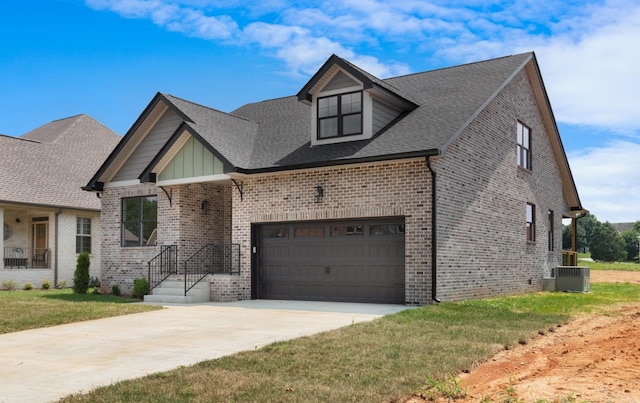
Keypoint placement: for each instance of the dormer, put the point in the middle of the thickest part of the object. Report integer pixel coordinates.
(349, 104)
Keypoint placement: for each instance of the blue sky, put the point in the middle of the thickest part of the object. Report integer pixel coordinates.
(107, 58)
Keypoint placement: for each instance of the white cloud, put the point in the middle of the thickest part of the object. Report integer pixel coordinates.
(608, 180)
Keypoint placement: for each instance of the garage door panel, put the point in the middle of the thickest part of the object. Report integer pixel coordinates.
(332, 261)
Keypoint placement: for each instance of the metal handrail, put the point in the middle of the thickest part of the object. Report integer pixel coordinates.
(19, 257)
(215, 258)
(163, 265)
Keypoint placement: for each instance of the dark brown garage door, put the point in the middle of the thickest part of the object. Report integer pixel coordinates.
(354, 261)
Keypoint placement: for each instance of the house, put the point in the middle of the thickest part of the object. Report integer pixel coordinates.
(46, 217)
(443, 185)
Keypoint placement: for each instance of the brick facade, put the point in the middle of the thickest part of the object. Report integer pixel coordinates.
(482, 194)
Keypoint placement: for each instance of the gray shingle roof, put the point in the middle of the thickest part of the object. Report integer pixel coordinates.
(49, 165)
(448, 99)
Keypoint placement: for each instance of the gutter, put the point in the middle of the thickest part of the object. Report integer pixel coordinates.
(434, 231)
(57, 238)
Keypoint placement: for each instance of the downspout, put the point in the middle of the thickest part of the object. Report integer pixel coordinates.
(57, 237)
(434, 232)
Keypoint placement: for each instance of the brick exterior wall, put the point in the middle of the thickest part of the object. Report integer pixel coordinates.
(482, 197)
(389, 189)
(181, 221)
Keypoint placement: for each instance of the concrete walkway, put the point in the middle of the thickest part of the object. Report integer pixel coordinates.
(47, 364)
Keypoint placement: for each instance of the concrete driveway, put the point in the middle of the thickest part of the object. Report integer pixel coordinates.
(47, 364)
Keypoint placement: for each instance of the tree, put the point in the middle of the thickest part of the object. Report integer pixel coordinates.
(631, 243)
(586, 226)
(607, 243)
(566, 237)
(81, 275)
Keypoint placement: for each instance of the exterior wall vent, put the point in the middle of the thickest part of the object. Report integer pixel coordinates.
(572, 278)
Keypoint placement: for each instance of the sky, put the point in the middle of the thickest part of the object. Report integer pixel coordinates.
(108, 58)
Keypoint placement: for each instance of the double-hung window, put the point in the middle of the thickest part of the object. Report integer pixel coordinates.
(340, 115)
(524, 146)
(139, 221)
(531, 222)
(83, 235)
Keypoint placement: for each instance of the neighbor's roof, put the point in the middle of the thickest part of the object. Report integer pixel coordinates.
(49, 165)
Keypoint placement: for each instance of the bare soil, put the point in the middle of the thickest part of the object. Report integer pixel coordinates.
(594, 358)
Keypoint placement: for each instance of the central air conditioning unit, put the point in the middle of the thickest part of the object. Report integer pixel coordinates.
(572, 278)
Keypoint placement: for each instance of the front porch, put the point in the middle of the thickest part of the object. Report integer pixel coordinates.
(23, 257)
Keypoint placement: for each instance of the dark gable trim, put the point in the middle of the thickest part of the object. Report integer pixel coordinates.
(304, 95)
(149, 177)
(93, 183)
(332, 163)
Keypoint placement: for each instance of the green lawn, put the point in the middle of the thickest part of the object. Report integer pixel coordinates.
(379, 361)
(627, 266)
(22, 310)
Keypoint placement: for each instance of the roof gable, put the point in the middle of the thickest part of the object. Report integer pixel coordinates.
(48, 165)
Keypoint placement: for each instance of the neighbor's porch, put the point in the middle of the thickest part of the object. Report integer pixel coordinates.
(26, 241)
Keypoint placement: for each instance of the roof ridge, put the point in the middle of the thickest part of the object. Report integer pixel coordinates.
(20, 138)
(456, 66)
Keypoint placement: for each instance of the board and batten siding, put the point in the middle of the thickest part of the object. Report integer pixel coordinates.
(149, 147)
(192, 160)
(382, 115)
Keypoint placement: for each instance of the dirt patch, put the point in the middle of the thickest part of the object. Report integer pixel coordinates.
(593, 358)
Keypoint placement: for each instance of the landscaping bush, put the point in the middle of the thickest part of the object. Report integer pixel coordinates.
(9, 285)
(140, 287)
(62, 284)
(46, 284)
(81, 275)
(27, 286)
(115, 290)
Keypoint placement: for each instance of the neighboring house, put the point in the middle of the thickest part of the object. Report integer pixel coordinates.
(444, 185)
(46, 217)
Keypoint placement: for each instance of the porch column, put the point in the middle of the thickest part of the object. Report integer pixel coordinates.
(2, 239)
(574, 234)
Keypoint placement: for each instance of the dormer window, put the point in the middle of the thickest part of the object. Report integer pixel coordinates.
(340, 115)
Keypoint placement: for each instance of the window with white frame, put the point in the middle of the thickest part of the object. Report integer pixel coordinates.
(524, 146)
(83, 234)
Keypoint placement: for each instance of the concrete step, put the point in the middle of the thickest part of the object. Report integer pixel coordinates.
(172, 291)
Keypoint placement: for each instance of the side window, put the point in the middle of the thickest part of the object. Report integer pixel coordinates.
(551, 236)
(524, 146)
(139, 221)
(531, 222)
(83, 235)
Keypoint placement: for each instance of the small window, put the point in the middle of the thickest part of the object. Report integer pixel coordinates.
(83, 235)
(524, 146)
(386, 229)
(550, 229)
(340, 115)
(346, 230)
(279, 232)
(139, 221)
(531, 222)
(309, 232)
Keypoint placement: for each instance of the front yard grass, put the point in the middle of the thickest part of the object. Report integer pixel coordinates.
(383, 360)
(22, 310)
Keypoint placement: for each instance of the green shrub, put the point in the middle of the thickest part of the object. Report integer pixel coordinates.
(27, 286)
(46, 284)
(62, 284)
(94, 282)
(81, 275)
(140, 287)
(115, 290)
(9, 285)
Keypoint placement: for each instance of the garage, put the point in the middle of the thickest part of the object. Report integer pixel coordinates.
(348, 261)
